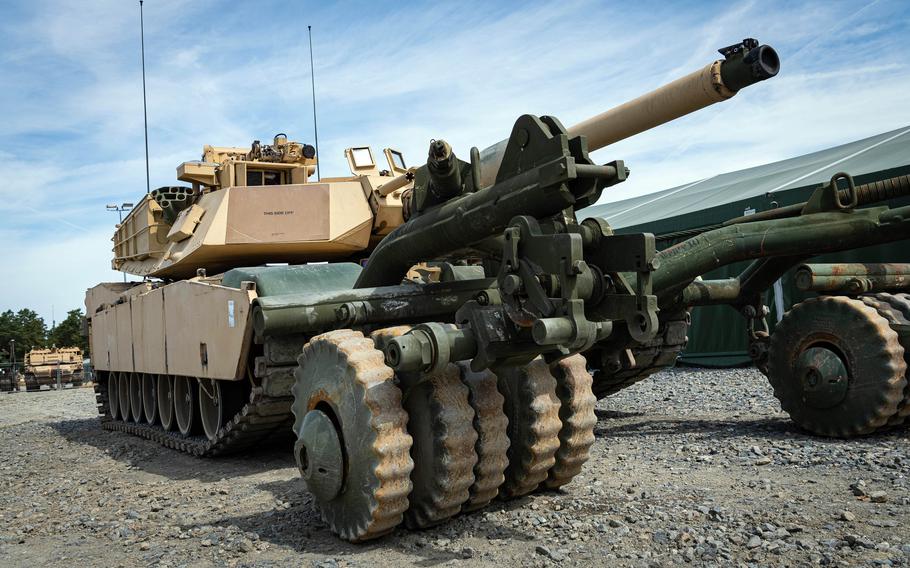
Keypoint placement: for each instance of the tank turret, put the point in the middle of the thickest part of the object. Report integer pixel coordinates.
(251, 206)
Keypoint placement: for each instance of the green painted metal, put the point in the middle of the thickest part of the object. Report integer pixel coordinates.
(822, 376)
(279, 280)
(352, 307)
(319, 455)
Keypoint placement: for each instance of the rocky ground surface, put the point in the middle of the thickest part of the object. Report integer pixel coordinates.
(689, 468)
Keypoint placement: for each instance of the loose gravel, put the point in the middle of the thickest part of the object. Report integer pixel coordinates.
(690, 468)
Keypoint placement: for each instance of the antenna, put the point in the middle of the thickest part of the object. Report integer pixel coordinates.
(145, 116)
(309, 30)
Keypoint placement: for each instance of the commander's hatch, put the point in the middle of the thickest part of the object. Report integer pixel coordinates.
(362, 163)
(396, 162)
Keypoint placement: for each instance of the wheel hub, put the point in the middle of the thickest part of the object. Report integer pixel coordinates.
(823, 377)
(319, 456)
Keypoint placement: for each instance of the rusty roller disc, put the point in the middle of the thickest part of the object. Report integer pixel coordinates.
(896, 309)
(532, 408)
(150, 398)
(492, 445)
(441, 422)
(352, 442)
(837, 367)
(576, 412)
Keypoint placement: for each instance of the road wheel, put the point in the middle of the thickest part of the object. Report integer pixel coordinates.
(441, 424)
(136, 397)
(150, 398)
(186, 408)
(165, 392)
(219, 401)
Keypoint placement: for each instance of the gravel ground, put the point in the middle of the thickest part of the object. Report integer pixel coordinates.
(689, 467)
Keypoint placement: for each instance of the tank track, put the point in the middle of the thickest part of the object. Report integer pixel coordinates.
(656, 355)
(258, 420)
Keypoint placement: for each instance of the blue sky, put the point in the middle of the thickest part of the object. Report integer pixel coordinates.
(395, 74)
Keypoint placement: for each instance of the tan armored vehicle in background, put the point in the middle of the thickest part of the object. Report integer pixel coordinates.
(44, 366)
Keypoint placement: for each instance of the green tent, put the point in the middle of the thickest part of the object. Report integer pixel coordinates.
(717, 336)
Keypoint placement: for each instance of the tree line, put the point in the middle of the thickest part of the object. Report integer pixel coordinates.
(29, 331)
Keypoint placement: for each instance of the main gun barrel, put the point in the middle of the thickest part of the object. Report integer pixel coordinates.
(744, 64)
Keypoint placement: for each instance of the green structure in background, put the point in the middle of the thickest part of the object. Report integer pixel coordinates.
(716, 337)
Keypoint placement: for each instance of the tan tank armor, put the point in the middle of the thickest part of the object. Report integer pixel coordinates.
(249, 206)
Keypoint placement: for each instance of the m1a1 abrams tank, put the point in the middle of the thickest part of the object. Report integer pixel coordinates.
(46, 366)
(412, 400)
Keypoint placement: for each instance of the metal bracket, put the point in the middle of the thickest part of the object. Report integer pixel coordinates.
(622, 256)
(830, 197)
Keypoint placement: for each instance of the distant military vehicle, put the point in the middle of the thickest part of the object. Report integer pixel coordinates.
(45, 366)
(441, 358)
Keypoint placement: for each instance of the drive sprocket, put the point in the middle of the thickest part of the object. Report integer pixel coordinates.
(440, 420)
(353, 445)
(576, 412)
(836, 367)
(492, 445)
(532, 408)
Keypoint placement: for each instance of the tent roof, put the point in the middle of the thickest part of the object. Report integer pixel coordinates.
(873, 154)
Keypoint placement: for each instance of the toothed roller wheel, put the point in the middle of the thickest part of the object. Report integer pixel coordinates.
(352, 446)
(492, 445)
(532, 408)
(896, 309)
(136, 397)
(576, 412)
(837, 367)
(441, 423)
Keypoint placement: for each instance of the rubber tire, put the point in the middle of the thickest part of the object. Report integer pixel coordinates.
(869, 349)
(230, 395)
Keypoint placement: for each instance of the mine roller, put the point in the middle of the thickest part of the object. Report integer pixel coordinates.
(433, 338)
